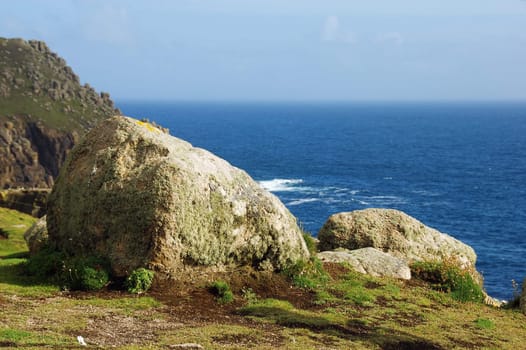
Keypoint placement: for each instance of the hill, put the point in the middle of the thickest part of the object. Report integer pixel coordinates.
(43, 112)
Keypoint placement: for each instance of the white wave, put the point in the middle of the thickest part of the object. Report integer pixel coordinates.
(386, 200)
(281, 185)
(302, 201)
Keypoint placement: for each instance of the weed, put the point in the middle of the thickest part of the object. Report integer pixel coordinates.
(360, 297)
(484, 323)
(249, 295)
(308, 274)
(447, 277)
(139, 281)
(222, 291)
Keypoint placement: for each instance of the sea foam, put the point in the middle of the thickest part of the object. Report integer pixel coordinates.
(281, 185)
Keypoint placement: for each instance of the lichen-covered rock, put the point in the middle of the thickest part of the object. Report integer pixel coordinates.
(394, 232)
(370, 261)
(140, 197)
(37, 236)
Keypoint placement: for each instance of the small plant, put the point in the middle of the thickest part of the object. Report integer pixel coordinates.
(484, 323)
(515, 301)
(85, 273)
(307, 274)
(310, 242)
(447, 277)
(139, 281)
(222, 291)
(249, 295)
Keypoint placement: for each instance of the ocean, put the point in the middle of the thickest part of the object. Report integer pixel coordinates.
(457, 167)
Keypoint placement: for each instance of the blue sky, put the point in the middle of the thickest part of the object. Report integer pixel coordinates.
(286, 50)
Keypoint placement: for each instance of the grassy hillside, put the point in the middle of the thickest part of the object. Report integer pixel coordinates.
(37, 83)
(336, 308)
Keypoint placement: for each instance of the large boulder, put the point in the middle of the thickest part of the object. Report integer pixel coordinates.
(394, 232)
(370, 261)
(140, 197)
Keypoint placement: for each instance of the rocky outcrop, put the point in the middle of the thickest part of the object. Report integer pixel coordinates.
(31, 153)
(140, 197)
(31, 201)
(523, 297)
(369, 261)
(43, 111)
(36, 236)
(394, 232)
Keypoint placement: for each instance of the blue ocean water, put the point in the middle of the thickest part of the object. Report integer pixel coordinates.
(457, 167)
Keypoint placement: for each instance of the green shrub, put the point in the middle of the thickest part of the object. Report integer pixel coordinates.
(139, 281)
(447, 277)
(46, 263)
(85, 273)
(222, 291)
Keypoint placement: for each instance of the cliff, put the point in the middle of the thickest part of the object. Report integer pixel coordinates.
(43, 112)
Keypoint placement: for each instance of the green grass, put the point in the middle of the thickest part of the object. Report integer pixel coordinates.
(484, 323)
(14, 335)
(15, 224)
(344, 311)
(13, 257)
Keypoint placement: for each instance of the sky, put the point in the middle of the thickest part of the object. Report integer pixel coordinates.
(284, 50)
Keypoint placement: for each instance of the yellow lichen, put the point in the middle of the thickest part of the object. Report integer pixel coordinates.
(147, 126)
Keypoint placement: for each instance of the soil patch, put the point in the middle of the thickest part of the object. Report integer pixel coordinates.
(335, 270)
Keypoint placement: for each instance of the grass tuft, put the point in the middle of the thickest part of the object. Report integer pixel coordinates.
(449, 278)
(222, 291)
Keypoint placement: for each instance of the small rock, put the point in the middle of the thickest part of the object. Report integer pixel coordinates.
(369, 261)
(393, 232)
(188, 346)
(36, 236)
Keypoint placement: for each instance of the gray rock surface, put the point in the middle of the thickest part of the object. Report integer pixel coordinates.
(394, 232)
(36, 236)
(369, 261)
(140, 197)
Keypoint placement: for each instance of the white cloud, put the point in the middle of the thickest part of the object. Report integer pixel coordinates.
(390, 38)
(333, 31)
